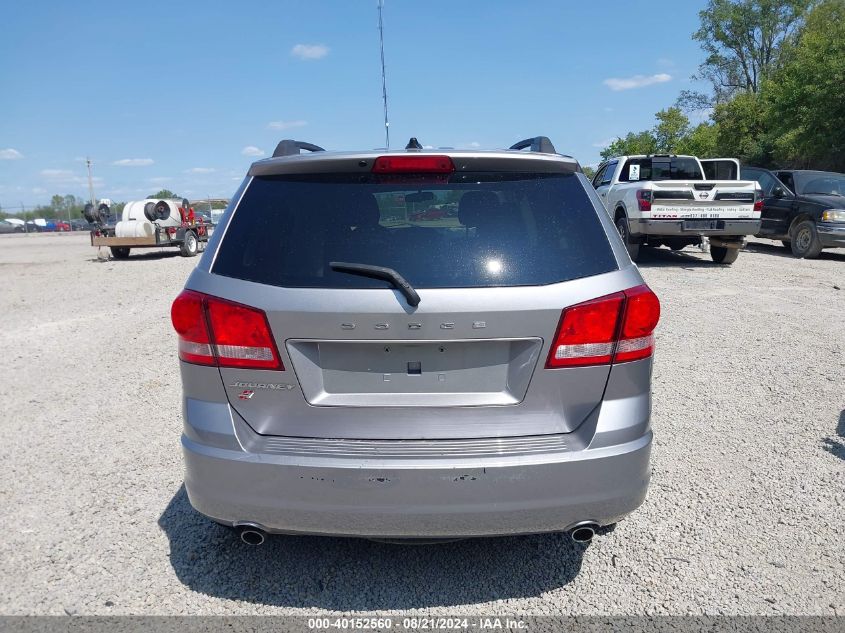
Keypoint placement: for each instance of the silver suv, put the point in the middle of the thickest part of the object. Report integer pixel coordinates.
(416, 344)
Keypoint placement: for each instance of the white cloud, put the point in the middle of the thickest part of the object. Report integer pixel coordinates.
(309, 51)
(637, 81)
(286, 125)
(10, 154)
(604, 143)
(252, 150)
(38, 190)
(56, 173)
(158, 180)
(133, 162)
(475, 144)
(199, 170)
(68, 178)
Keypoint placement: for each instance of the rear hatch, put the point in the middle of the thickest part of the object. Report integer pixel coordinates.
(494, 258)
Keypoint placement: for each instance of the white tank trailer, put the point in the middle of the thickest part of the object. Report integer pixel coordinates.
(150, 223)
(140, 218)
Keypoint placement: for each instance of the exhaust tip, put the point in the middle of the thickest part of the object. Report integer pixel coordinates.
(252, 535)
(583, 533)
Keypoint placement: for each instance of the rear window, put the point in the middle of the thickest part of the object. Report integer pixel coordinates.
(470, 230)
(661, 168)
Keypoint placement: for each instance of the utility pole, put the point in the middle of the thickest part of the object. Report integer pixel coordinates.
(383, 75)
(90, 182)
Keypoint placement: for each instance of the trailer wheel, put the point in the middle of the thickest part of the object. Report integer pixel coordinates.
(120, 252)
(190, 246)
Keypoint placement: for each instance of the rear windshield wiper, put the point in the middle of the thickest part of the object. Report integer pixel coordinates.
(380, 272)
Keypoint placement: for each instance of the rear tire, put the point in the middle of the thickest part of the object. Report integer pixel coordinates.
(723, 254)
(190, 246)
(805, 241)
(625, 234)
(120, 252)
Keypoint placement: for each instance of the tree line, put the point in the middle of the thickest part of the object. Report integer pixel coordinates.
(776, 70)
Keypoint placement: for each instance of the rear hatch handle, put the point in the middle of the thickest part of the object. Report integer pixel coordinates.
(380, 272)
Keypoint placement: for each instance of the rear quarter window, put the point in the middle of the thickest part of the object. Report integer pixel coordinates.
(474, 230)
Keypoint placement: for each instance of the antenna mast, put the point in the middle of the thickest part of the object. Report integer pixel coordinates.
(90, 182)
(383, 76)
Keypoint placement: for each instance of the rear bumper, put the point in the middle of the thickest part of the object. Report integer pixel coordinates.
(676, 227)
(429, 498)
(831, 235)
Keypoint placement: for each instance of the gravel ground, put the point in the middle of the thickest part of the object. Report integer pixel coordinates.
(744, 515)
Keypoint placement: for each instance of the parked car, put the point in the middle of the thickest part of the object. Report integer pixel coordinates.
(18, 224)
(7, 227)
(62, 225)
(41, 225)
(432, 213)
(804, 209)
(665, 199)
(344, 375)
(78, 224)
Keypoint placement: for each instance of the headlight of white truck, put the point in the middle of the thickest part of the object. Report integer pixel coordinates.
(833, 215)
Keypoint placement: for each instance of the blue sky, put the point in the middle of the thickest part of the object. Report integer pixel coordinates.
(185, 95)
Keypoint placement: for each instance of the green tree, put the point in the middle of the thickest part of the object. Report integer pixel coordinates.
(632, 143)
(164, 193)
(744, 41)
(57, 203)
(664, 138)
(743, 130)
(807, 95)
(589, 172)
(701, 141)
(672, 127)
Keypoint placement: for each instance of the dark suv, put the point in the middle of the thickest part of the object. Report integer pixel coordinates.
(351, 368)
(804, 209)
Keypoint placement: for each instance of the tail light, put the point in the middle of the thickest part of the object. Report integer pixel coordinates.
(222, 333)
(615, 328)
(758, 200)
(644, 197)
(401, 164)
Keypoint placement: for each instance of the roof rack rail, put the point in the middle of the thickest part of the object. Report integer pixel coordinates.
(540, 144)
(289, 147)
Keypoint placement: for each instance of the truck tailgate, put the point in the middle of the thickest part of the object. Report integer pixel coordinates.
(703, 199)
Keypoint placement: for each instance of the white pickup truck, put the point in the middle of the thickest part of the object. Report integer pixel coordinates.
(676, 200)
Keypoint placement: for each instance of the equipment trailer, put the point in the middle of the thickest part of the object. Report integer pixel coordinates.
(149, 224)
(187, 238)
